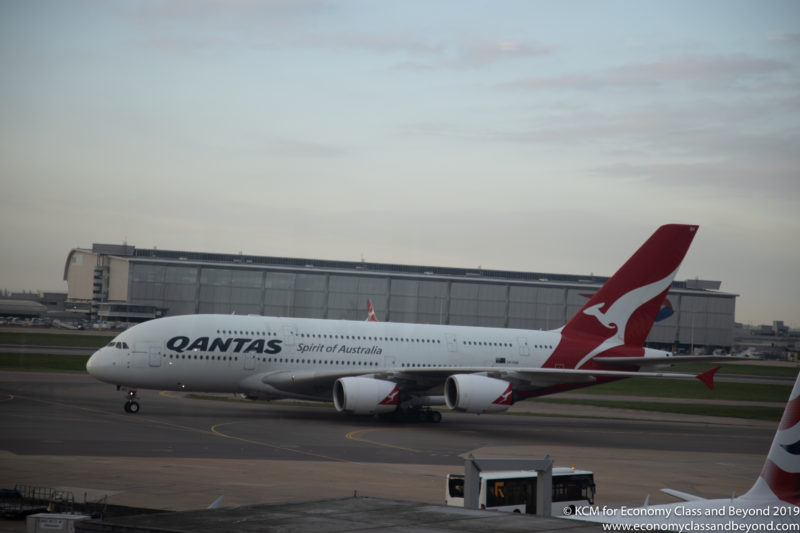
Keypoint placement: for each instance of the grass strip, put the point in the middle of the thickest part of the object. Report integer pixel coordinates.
(71, 340)
(772, 414)
(740, 369)
(692, 389)
(43, 362)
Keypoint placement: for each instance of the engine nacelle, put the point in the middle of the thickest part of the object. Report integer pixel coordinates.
(365, 396)
(473, 393)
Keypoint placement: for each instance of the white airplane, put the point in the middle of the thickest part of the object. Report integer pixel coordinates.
(384, 367)
(770, 505)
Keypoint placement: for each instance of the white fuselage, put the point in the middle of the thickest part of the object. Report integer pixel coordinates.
(219, 353)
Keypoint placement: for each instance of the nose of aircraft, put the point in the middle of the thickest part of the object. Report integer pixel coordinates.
(90, 364)
(101, 365)
(93, 363)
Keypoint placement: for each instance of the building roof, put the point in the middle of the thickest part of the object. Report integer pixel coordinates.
(22, 307)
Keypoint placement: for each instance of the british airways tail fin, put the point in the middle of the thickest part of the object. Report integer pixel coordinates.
(780, 477)
(627, 304)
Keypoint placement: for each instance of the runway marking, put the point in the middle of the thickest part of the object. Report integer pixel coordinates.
(215, 431)
(128, 417)
(356, 436)
(212, 431)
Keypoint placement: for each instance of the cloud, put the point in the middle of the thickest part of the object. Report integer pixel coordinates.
(482, 54)
(295, 148)
(791, 38)
(425, 54)
(716, 71)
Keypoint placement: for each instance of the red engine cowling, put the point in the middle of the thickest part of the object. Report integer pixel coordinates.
(365, 396)
(473, 393)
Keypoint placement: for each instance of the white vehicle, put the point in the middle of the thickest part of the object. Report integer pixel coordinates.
(392, 368)
(515, 491)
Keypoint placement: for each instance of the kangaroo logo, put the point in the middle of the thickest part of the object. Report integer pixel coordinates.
(505, 398)
(618, 314)
(391, 399)
(599, 315)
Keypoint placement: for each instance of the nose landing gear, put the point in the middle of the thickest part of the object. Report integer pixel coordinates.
(132, 406)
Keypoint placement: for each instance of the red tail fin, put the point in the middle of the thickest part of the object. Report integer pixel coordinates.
(622, 312)
(780, 476)
(627, 305)
(371, 312)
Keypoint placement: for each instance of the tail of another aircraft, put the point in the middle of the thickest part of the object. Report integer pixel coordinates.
(622, 312)
(780, 476)
(371, 312)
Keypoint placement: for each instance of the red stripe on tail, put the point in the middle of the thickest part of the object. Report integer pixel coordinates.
(785, 485)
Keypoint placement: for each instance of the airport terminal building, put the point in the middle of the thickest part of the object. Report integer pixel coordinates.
(122, 283)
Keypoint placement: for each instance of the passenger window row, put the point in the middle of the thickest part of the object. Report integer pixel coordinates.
(365, 338)
(205, 357)
(484, 343)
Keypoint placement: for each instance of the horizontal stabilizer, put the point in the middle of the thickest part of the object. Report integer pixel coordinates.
(216, 504)
(707, 377)
(685, 496)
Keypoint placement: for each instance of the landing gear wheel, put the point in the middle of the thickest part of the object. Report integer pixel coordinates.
(433, 416)
(132, 407)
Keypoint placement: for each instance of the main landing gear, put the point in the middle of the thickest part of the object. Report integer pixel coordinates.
(132, 406)
(412, 415)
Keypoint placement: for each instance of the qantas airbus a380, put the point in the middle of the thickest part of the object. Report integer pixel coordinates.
(382, 367)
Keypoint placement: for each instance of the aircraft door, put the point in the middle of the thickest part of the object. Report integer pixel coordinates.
(524, 349)
(155, 356)
(290, 338)
(139, 355)
(249, 362)
(452, 344)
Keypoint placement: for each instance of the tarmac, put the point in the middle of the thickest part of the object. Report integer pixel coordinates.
(263, 491)
(333, 516)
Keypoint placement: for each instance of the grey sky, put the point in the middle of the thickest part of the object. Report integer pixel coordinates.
(537, 136)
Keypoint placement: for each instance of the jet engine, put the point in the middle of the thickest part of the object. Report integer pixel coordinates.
(473, 393)
(365, 396)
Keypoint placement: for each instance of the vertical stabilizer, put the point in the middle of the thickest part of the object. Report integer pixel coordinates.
(780, 476)
(620, 315)
(371, 317)
(627, 304)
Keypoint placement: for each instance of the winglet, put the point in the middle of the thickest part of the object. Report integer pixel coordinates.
(707, 377)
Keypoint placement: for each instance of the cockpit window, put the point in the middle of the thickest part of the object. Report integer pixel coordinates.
(118, 345)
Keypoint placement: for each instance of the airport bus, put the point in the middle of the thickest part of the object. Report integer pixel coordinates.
(515, 491)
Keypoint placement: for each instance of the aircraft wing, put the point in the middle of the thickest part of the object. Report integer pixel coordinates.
(319, 384)
(531, 379)
(668, 359)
